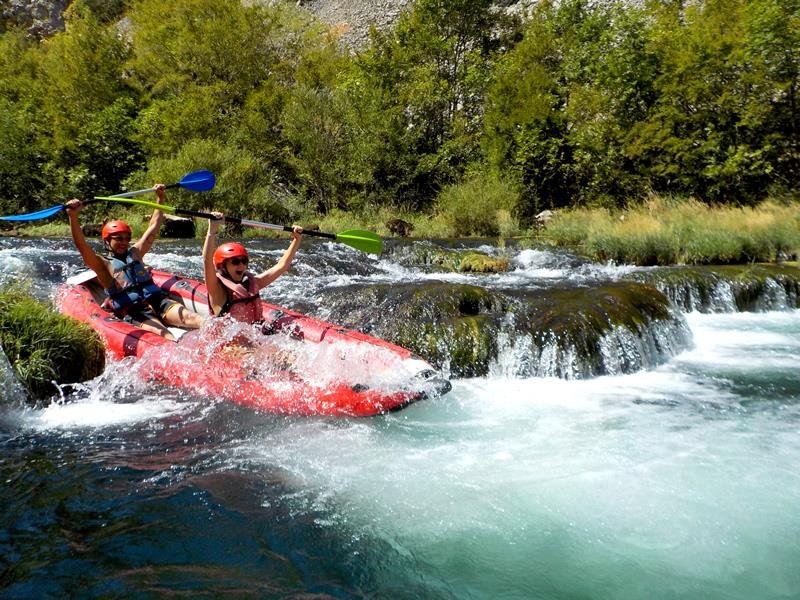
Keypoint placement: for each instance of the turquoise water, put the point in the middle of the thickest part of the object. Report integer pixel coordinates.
(678, 482)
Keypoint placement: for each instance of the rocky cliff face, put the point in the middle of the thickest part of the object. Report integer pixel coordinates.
(351, 19)
(40, 18)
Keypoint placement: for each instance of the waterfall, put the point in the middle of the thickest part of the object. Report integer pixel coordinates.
(621, 350)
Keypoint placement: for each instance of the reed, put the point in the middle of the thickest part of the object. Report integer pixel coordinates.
(665, 231)
(45, 347)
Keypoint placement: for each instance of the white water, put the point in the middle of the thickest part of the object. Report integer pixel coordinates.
(679, 481)
(669, 478)
(682, 481)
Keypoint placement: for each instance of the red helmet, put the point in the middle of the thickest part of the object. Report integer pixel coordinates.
(113, 227)
(226, 251)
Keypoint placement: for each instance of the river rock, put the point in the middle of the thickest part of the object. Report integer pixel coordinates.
(437, 259)
(560, 332)
(727, 288)
(177, 227)
(10, 387)
(399, 227)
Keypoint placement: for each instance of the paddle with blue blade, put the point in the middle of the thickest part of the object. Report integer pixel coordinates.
(196, 181)
(366, 241)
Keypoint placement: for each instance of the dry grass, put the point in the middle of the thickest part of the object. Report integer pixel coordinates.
(666, 231)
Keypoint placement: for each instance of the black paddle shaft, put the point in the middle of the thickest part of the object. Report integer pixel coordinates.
(238, 220)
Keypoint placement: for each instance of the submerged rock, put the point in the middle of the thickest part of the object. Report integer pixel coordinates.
(727, 288)
(478, 262)
(10, 387)
(435, 259)
(562, 332)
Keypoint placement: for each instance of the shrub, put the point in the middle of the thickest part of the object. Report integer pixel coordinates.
(479, 206)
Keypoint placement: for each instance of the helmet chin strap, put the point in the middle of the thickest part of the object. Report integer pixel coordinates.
(223, 272)
(112, 253)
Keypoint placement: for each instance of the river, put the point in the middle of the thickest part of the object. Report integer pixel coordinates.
(681, 481)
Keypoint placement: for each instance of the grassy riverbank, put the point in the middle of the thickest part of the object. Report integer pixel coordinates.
(667, 232)
(660, 231)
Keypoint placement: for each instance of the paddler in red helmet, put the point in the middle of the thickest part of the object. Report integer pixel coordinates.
(131, 293)
(232, 289)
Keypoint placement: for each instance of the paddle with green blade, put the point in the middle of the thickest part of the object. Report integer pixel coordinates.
(196, 181)
(366, 241)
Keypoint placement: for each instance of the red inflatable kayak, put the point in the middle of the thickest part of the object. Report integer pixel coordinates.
(292, 364)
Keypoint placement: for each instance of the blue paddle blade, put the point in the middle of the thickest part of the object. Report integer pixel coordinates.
(40, 214)
(198, 181)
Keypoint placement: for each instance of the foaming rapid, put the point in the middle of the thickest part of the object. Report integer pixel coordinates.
(117, 397)
(681, 474)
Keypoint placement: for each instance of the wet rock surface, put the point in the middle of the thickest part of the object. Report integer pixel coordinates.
(570, 332)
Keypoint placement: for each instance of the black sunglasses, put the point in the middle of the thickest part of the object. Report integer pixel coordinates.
(120, 238)
(239, 261)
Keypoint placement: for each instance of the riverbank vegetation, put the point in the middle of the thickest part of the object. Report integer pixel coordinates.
(43, 346)
(462, 120)
(665, 232)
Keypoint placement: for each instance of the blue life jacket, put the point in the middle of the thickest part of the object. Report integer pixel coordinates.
(133, 286)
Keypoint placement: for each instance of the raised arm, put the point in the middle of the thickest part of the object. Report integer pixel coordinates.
(270, 275)
(90, 259)
(216, 293)
(144, 243)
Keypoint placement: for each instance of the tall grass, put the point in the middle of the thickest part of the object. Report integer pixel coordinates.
(667, 231)
(44, 346)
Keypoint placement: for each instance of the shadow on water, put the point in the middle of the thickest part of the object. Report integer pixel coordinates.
(156, 508)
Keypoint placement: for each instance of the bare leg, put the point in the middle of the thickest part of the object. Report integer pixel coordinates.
(155, 326)
(180, 316)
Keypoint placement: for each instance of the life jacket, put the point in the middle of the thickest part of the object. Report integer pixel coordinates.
(243, 303)
(133, 286)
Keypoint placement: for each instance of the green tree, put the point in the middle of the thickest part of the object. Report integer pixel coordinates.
(78, 84)
(236, 75)
(542, 105)
(20, 160)
(424, 83)
(772, 77)
(724, 118)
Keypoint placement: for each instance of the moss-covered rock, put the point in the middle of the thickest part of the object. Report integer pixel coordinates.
(727, 288)
(564, 332)
(436, 259)
(615, 328)
(448, 324)
(478, 262)
(43, 346)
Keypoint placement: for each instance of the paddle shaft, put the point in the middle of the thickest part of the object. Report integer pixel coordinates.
(366, 241)
(144, 191)
(248, 223)
(196, 181)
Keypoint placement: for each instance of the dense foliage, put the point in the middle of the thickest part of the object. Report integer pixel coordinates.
(580, 103)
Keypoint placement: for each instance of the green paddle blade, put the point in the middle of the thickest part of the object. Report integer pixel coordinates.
(366, 241)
